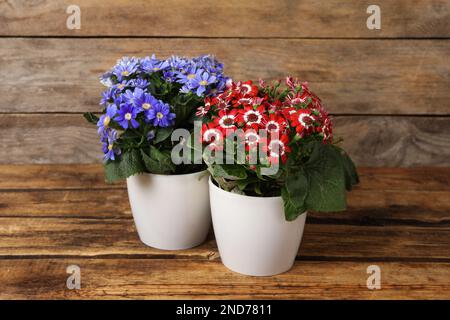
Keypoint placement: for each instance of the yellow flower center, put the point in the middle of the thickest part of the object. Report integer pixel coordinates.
(203, 83)
(110, 146)
(128, 116)
(191, 76)
(120, 85)
(146, 106)
(106, 121)
(159, 115)
(155, 69)
(125, 73)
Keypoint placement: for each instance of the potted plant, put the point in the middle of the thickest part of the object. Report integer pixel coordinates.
(144, 101)
(272, 158)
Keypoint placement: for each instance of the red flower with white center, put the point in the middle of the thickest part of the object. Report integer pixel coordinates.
(252, 138)
(275, 123)
(252, 117)
(247, 89)
(302, 120)
(278, 148)
(226, 120)
(211, 134)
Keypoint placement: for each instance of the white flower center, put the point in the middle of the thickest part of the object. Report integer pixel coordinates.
(159, 115)
(128, 116)
(146, 106)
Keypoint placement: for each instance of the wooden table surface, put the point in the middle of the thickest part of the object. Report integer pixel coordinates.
(53, 216)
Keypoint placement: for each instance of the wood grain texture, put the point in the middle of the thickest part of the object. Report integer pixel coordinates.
(371, 141)
(90, 176)
(185, 279)
(351, 76)
(422, 208)
(233, 18)
(34, 237)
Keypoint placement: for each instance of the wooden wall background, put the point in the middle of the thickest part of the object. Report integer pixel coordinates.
(389, 89)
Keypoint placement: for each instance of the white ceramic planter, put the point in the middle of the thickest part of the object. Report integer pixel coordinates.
(252, 234)
(171, 212)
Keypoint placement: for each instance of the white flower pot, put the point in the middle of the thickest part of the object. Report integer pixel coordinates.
(171, 212)
(252, 234)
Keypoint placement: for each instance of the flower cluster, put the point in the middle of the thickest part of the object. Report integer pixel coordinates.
(290, 114)
(147, 94)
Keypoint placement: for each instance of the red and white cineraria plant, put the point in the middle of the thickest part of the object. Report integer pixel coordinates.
(287, 127)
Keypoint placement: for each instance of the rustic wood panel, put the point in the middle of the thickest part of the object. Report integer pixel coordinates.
(90, 176)
(117, 237)
(426, 208)
(184, 279)
(352, 76)
(234, 18)
(380, 141)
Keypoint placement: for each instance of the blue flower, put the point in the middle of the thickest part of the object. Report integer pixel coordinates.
(108, 147)
(200, 82)
(121, 86)
(105, 119)
(105, 79)
(186, 76)
(127, 113)
(140, 83)
(134, 98)
(147, 103)
(152, 64)
(125, 67)
(160, 115)
(107, 96)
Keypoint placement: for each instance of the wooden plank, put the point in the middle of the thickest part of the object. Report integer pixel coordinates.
(184, 279)
(351, 76)
(380, 141)
(90, 176)
(233, 18)
(417, 208)
(34, 237)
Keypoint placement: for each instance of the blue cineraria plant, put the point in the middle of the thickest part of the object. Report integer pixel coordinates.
(144, 101)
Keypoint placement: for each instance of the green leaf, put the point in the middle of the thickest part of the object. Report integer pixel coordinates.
(90, 117)
(297, 186)
(229, 171)
(291, 211)
(162, 134)
(130, 164)
(351, 175)
(326, 179)
(158, 162)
